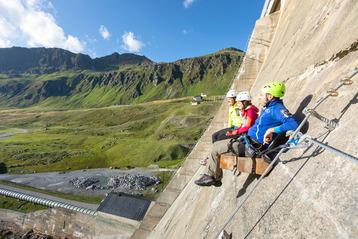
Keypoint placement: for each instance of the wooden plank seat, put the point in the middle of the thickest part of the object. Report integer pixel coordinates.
(244, 164)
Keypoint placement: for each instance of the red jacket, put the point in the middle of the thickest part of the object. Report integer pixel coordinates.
(249, 115)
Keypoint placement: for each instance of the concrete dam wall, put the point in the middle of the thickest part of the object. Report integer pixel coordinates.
(312, 192)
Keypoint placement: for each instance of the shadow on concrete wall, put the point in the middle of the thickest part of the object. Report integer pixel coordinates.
(299, 115)
(353, 101)
(316, 152)
(248, 181)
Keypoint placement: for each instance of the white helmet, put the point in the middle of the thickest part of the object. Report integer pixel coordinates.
(245, 95)
(231, 93)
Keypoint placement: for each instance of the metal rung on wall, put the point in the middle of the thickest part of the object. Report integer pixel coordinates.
(330, 124)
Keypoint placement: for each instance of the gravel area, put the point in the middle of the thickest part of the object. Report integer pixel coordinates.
(91, 182)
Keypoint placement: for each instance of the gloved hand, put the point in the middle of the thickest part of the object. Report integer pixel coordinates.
(234, 132)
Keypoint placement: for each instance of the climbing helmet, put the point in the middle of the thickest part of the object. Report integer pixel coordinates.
(231, 93)
(244, 95)
(277, 89)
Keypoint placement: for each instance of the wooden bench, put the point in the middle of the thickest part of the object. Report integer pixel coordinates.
(244, 164)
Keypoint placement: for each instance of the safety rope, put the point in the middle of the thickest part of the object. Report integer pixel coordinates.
(336, 151)
(331, 92)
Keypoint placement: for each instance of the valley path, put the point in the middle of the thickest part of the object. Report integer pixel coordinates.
(18, 131)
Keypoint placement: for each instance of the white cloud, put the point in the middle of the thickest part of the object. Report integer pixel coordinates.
(5, 43)
(29, 21)
(130, 43)
(187, 3)
(185, 31)
(104, 32)
(92, 53)
(91, 40)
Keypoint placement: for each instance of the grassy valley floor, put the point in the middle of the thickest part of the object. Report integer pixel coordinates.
(161, 133)
(158, 133)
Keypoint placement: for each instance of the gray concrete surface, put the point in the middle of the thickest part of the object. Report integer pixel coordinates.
(310, 46)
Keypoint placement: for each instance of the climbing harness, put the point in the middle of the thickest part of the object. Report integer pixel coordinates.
(292, 144)
(302, 138)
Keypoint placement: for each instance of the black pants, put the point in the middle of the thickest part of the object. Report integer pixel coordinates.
(221, 135)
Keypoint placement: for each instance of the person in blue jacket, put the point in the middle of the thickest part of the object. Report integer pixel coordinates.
(274, 119)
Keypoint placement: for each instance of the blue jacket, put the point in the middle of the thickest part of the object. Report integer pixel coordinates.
(274, 115)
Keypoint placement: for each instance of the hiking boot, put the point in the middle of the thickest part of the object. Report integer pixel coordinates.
(206, 180)
(204, 161)
(218, 183)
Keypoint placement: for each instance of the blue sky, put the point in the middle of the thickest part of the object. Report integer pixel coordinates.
(162, 30)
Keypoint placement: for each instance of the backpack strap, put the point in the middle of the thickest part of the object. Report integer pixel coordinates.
(240, 149)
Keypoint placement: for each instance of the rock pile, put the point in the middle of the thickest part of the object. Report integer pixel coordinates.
(132, 182)
(83, 182)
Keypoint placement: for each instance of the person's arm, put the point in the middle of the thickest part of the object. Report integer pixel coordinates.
(288, 123)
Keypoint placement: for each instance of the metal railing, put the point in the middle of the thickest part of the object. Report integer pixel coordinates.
(45, 202)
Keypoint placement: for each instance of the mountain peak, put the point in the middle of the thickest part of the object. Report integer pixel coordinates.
(122, 59)
(229, 49)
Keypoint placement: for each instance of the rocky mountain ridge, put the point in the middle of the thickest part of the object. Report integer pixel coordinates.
(17, 60)
(49, 76)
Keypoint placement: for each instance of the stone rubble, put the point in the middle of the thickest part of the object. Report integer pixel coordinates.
(83, 182)
(132, 182)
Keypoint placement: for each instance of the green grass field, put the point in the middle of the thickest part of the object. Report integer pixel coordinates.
(136, 135)
(18, 205)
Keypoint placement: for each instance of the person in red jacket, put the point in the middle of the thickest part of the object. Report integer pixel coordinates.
(249, 113)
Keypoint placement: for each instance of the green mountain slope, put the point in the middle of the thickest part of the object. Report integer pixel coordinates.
(58, 79)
